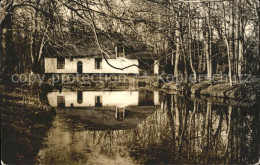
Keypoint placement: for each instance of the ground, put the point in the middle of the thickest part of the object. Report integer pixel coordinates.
(25, 119)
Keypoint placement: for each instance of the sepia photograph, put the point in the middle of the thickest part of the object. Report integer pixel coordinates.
(118, 82)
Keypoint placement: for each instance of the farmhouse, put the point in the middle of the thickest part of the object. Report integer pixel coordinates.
(88, 59)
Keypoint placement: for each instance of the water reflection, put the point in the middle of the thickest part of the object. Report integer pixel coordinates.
(180, 130)
(103, 98)
(202, 132)
(105, 110)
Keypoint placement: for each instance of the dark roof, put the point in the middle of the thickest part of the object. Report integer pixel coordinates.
(135, 55)
(103, 118)
(88, 47)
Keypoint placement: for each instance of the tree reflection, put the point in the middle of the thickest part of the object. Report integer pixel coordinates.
(180, 131)
(199, 132)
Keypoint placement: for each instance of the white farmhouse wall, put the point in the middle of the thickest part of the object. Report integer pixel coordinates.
(89, 65)
(50, 65)
(115, 98)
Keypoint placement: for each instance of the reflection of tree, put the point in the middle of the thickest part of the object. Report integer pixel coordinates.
(228, 129)
(194, 132)
(185, 131)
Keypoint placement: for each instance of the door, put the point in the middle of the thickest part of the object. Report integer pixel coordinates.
(79, 67)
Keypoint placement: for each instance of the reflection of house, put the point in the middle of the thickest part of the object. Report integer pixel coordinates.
(107, 108)
(108, 118)
(103, 98)
(88, 59)
(120, 113)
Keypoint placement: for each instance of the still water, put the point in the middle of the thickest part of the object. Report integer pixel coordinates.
(133, 127)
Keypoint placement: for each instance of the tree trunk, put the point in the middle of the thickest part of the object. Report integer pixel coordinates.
(240, 41)
(208, 45)
(236, 42)
(229, 62)
(190, 49)
(228, 47)
(177, 36)
(208, 61)
(232, 35)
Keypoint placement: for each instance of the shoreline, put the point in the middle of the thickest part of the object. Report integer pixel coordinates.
(246, 92)
(26, 118)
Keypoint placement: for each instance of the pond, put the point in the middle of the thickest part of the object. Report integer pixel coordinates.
(146, 127)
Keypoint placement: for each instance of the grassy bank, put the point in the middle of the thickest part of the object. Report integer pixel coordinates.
(247, 92)
(240, 91)
(25, 119)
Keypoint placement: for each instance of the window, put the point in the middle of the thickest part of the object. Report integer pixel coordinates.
(120, 51)
(60, 63)
(98, 101)
(79, 67)
(61, 101)
(98, 63)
